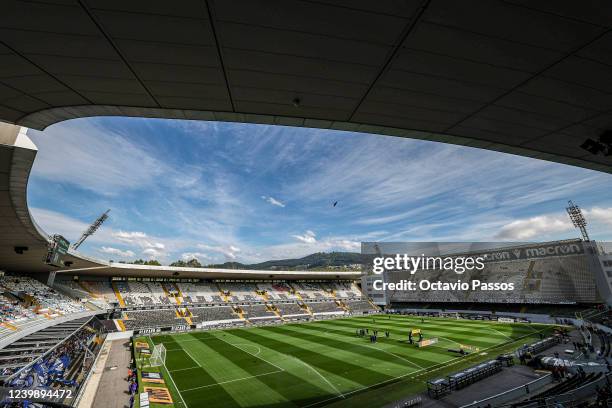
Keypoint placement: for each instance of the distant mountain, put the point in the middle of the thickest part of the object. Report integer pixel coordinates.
(322, 261)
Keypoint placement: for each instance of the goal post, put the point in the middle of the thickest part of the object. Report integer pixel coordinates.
(158, 356)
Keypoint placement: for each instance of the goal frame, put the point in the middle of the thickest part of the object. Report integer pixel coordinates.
(158, 356)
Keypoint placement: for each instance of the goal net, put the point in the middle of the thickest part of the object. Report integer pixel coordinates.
(158, 357)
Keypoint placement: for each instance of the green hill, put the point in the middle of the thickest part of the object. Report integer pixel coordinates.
(318, 261)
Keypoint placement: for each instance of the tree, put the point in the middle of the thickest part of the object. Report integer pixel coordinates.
(192, 263)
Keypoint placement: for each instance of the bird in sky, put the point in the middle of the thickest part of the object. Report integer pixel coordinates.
(335, 203)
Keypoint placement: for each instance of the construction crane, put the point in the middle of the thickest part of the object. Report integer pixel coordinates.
(91, 230)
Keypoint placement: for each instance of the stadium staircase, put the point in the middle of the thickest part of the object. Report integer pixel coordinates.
(263, 294)
(274, 309)
(118, 295)
(224, 296)
(8, 326)
(295, 292)
(168, 295)
(305, 307)
(87, 289)
(238, 310)
(185, 314)
(179, 297)
(342, 305)
(119, 323)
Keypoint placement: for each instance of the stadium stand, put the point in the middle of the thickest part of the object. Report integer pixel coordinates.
(239, 292)
(311, 291)
(199, 293)
(61, 357)
(278, 291)
(324, 307)
(151, 318)
(258, 312)
(22, 352)
(359, 306)
(212, 314)
(290, 309)
(45, 299)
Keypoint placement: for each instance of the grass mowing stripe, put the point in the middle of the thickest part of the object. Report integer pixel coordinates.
(345, 340)
(320, 339)
(396, 356)
(497, 331)
(428, 371)
(185, 379)
(229, 381)
(473, 336)
(324, 362)
(435, 334)
(322, 376)
(288, 345)
(254, 355)
(291, 384)
(176, 391)
(183, 369)
(450, 327)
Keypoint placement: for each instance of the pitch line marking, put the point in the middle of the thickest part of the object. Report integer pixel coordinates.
(250, 345)
(320, 375)
(172, 379)
(230, 381)
(447, 339)
(379, 349)
(497, 331)
(395, 355)
(433, 367)
(183, 369)
(254, 355)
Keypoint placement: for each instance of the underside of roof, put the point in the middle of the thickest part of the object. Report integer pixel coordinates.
(529, 78)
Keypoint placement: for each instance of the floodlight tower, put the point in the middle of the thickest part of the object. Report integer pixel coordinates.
(91, 230)
(575, 214)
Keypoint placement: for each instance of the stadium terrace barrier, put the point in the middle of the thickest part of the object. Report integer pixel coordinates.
(585, 391)
(512, 394)
(13, 337)
(533, 317)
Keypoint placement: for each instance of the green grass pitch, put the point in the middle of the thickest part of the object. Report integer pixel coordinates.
(324, 363)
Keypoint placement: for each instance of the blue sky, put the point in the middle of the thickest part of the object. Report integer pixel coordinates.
(227, 191)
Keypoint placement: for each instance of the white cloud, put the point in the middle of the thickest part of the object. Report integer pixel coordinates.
(116, 251)
(53, 222)
(100, 159)
(547, 225)
(599, 215)
(345, 244)
(188, 256)
(308, 237)
(138, 238)
(273, 201)
(533, 227)
(153, 253)
(230, 251)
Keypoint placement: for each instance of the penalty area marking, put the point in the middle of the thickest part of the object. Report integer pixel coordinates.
(172, 379)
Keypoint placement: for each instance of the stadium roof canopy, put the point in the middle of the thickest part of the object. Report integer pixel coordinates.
(23, 244)
(523, 77)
